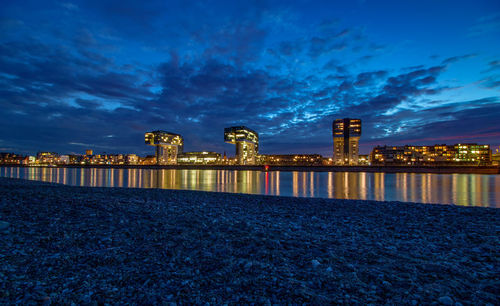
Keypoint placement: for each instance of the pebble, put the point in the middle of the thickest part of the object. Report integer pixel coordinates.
(248, 265)
(192, 260)
(4, 225)
(315, 263)
(445, 300)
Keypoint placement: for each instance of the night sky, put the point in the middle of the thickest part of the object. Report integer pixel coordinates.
(99, 74)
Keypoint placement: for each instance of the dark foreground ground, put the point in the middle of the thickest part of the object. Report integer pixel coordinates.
(61, 244)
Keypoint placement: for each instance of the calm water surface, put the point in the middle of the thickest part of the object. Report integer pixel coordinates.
(461, 189)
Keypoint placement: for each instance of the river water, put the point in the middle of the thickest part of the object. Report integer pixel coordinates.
(461, 189)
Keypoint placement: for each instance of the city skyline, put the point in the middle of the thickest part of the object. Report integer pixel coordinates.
(97, 75)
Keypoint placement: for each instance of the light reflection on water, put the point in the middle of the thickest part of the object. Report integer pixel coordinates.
(461, 189)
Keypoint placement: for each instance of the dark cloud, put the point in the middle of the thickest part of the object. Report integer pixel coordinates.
(290, 48)
(319, 46)
(455, 59)
(491, 81)
(367, 78)
(336, 66)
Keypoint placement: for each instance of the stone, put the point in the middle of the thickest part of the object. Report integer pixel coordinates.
(445, 300)
(315, 263)
(248, 265)
(4, 225)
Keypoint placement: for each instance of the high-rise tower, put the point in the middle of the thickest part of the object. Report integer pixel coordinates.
(167, 144)
(346, 134)
(246, 141)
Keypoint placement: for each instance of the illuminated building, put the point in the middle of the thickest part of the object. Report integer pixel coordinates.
(132, 159)
(363, 160)
(495, 157)
(346, 133)
(291, 159)
(199, 158)
(447, 154)
(89, 152)
(246, 141)
(168, 145)
(50, 158)
(147, 160)
(12, 158)
(64, 159)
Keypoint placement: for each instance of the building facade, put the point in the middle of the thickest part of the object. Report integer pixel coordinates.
(199, 158)
(346, 133)
(167, 144)
(291, 159)
(472, 153)
(246, 141)
(47, 158)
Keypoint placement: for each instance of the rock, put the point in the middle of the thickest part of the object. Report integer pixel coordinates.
(315, 263)
(329, 269)
(4, 225)
(445, 300)
(247, 267)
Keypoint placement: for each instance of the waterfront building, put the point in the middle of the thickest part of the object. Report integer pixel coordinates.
(291, 159)
(147, 160)
(472, 153)
(246, 141)
(346, 133)
(12, 158)
(49, 158)
(167, 144)
(495, 157)
(98, 159)
(132, 159)
(31, 160)
(364, 160)
(89, 152)
(64, 159)
(197, 158)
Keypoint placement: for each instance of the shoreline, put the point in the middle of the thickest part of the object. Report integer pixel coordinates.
(83, 245)
(370, 169)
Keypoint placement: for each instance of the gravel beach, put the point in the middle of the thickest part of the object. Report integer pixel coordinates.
(63, 245)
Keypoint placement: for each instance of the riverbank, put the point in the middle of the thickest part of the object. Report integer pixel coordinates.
(369, 169)
(63, 244)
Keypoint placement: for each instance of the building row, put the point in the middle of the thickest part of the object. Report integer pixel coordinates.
(471, 153)
(459, 154)
(346, 134)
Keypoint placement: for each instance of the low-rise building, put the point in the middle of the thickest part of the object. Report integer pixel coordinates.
(147, 160)
(291, 159)
(47, 158)
(364, 159)
(12, 159)
(132, 159)
(203, 158)
(472, 153)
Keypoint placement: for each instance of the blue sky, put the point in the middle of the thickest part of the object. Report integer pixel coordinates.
(99, 74)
